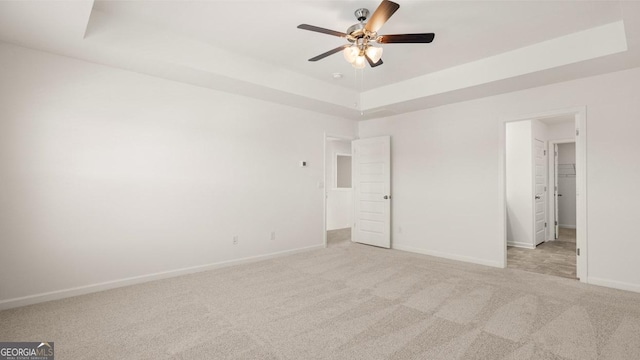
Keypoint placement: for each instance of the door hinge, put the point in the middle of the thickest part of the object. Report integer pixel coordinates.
(556, 223)
(578, 251)
(545, 152)
(577, 132)
(545, 224)
(545, 188)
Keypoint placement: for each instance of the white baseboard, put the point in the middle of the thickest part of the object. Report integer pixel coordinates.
(567, 226)
(614, 284)
(463, 258)
(87, 289)
(521, 245)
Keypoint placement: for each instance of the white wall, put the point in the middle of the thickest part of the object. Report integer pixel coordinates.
(567, 187)
(519, 183)
(446, 173)
(540, 131)
(561, 131)
(107, 175)
(339, 201)
(567, 153)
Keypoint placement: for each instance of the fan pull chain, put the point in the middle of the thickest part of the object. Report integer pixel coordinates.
(361, 88)
(358, 88)
(355, 86)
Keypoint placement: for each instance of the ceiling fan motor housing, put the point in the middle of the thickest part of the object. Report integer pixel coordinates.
(358, 31)
(355, 32)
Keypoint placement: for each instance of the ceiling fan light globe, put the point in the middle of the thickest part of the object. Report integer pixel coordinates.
(374, 53)
(350, 54)
(359, 63)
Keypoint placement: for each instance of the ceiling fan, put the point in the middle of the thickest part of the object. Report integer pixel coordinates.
(362, 35)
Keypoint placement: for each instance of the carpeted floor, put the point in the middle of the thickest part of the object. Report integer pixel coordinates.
(339, 237)
(343, 302)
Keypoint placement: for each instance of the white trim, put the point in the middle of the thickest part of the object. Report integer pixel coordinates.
(87, 289)
(582, 234)
(614, 284)
(520, 245)
(547, 114)
(502, 191)
(439, 254)
(581, 182)
(327, 137)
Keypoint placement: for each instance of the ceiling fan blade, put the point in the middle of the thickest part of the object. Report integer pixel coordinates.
(371, 63)
(406, 38)
(321, 30)
(330, 52)
(381, 15)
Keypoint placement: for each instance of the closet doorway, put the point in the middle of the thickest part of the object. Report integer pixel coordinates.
(338, 192)
(563, 180)
(545, 214)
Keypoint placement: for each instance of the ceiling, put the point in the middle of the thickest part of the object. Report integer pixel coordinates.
(253, 47)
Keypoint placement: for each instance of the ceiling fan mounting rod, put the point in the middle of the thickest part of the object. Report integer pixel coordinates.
(361, 14)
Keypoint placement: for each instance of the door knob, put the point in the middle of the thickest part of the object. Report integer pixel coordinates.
(538, 197)
(386, 197)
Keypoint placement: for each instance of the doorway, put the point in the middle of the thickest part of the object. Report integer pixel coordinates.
(338, 192)
(562, 167)
(544, 176)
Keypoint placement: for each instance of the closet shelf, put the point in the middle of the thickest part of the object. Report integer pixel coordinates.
(566, 170)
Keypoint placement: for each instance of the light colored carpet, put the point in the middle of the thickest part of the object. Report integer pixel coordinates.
(339, 237)
(344, 302)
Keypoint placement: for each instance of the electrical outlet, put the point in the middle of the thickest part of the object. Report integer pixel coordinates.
(273, 235)
(235, 240)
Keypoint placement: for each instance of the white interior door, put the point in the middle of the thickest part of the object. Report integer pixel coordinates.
(556, 227)
(372, 191)
(540, 192)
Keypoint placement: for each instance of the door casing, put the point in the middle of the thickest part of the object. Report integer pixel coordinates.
(327, 137)
(581, 184)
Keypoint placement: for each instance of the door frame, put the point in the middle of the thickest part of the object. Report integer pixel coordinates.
(551, 183)
(327, 137)
(581, 183)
